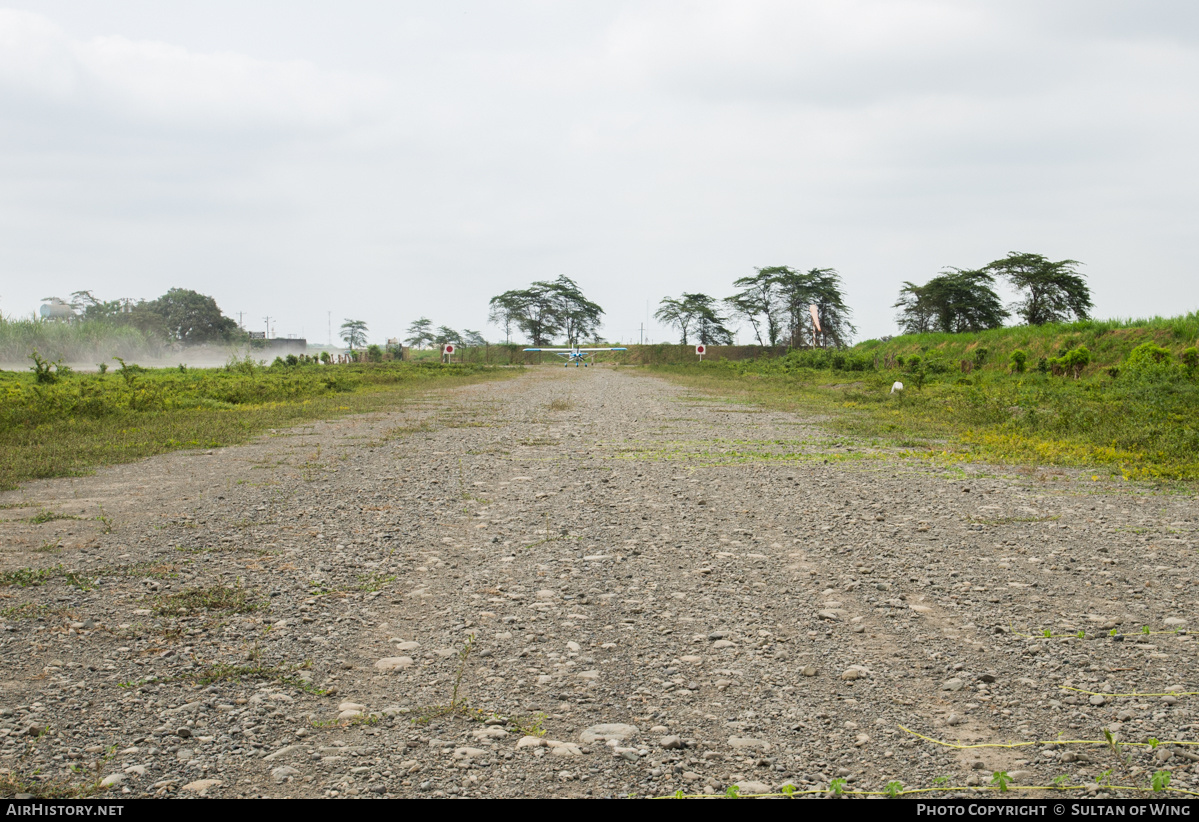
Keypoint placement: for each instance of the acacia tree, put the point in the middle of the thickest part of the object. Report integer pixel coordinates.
(695, 312)
(579, 316)
(472, 339)
(820, 287)
(1052, 291)
(954, 301)
(420, 333)
(674, 313)
(445, 335)
(546, 309)
(831, 308)
(505, 311)
(916, 314)
(709, 326)
(539, 315)
(353, 332)
(757, 302)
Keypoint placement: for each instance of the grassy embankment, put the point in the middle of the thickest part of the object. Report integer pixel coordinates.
(69, 422)
(1127, 414)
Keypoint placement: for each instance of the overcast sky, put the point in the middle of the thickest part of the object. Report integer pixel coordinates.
(387, 160)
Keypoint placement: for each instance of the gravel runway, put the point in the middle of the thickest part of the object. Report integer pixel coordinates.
(665, 591)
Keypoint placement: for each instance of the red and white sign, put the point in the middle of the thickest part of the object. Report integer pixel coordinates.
(701, 349)
(449, 348)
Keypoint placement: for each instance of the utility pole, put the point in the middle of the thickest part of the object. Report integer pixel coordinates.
(268, 327)
(239, 322)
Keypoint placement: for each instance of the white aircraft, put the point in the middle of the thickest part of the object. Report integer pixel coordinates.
(575, 355)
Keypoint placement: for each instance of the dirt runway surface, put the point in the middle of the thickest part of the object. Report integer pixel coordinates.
(665, 591)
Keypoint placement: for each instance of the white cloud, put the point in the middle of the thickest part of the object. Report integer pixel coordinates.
(159, 83)
(642, 147)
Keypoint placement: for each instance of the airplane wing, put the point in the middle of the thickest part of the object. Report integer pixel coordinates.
(551, 350)
(603, 349)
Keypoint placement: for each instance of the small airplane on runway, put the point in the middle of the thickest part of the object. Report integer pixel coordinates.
(575, 355)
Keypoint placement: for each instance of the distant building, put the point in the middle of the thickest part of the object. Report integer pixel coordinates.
(278, 347)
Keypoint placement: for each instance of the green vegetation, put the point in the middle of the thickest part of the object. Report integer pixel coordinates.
(1120, 396)
(954, 301)
(1109, 341)
(353, 332)
(75, 341)
(34, 577)
(198, 600)
(695, 314)
(86, 326)
(38, 785)
(48, 516)
(212, 673)
(66, 427)
(546, 310)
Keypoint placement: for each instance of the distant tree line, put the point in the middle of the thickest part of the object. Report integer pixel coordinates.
(421, 334)
(180, 316)
(776, 303)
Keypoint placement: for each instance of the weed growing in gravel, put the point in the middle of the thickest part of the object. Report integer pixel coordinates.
(105, 521)
(463, 658)
(48, 516)
(530, 724)
(1010, 520)
(374, 582)
(224, 672)
(1114, 745)
(455, 707)
(215, 598)
(29, 610)
(1046, 633)
(35, 785)
(25, 577)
